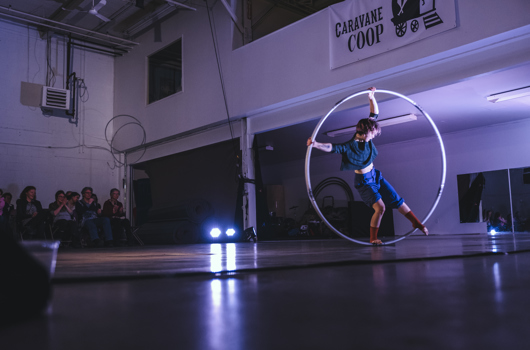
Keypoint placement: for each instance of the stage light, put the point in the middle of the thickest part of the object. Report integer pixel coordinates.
(230, 232)
(493, 232)
(215, 232)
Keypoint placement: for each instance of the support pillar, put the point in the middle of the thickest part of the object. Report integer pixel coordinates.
(247, 170)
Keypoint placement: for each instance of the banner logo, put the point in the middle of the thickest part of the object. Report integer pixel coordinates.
(365, 28)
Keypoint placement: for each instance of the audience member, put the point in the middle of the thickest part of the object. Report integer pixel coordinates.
(98, 206)
(2, 204)
(26, 287)
(487, 217)
(7, 214)
(64, 217)
(113, 209)
(498, 223)
(30, 216)
(88, 211)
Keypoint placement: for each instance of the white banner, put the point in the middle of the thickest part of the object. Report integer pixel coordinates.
(363, 28)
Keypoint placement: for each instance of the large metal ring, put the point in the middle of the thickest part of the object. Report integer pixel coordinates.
(308, 157)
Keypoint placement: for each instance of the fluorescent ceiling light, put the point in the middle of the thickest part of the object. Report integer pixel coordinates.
(509, 95)
(384, 122)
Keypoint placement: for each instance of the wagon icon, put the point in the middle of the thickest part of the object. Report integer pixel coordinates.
(406, 10)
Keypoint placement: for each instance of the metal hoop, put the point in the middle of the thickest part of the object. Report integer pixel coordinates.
(308, 157)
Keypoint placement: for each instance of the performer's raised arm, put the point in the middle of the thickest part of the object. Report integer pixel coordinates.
(374, 108)
(326, 147)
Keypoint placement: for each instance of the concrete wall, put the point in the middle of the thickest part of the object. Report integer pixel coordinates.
(49, 152)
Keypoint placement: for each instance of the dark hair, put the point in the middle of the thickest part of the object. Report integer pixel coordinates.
(368, 125)
(87, 189)
(58, 193)
(25, 191)
(2, 192)
(7, 194)
(95, 197)
(72, 195)
(114, 189)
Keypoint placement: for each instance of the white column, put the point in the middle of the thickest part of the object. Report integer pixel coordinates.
(247, 170)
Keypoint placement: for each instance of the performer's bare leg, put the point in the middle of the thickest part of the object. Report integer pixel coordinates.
(375, 222)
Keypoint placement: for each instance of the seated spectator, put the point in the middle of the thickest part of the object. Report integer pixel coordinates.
(2, 204)
(7, 214)
(88, 212)
(498, 223)
(64, 217)
(30, 216)
(487, 218)
(98, 206)
(113, 209)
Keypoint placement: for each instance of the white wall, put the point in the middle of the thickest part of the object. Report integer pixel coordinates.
(46, 152)
(201, 101)
(292, 64)
(284, 78)
(414, 169)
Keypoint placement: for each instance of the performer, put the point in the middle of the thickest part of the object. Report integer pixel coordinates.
(358, 155)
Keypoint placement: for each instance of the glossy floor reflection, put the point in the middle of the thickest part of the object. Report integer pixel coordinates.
(172, 260)
(408, 296)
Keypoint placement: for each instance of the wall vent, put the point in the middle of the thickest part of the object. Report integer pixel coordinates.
(55, 98)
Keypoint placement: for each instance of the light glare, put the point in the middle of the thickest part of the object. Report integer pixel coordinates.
(215, 232)
(230, 232)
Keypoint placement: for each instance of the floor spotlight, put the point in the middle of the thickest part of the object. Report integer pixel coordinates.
(215, 232)
(230, 232)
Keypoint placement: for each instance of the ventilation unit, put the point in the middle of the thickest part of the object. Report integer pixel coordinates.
(55, 98)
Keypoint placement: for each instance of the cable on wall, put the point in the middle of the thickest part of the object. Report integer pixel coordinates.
(113, 150)
(213, 30)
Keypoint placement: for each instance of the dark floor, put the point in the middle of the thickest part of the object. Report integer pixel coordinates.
(437, 292)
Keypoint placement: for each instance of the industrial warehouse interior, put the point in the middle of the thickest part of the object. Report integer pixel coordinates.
(187, 123)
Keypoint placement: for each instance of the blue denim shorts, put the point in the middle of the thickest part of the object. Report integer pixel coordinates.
(372, 187)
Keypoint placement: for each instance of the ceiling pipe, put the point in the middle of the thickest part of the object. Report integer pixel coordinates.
(106, 37)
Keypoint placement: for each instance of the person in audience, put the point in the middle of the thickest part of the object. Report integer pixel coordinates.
(498, 222)
(98, 206)
(487, 218)
(26, 285)
(2, 220)
(88, 212)
(2, 204)
(73, 198)
(7, 214)
(30, 216)
(64, 218)
(113, 209)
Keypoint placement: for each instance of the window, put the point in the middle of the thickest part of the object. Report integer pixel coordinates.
(165, 72)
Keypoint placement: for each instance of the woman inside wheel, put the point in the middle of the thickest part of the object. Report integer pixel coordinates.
(358, 155)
